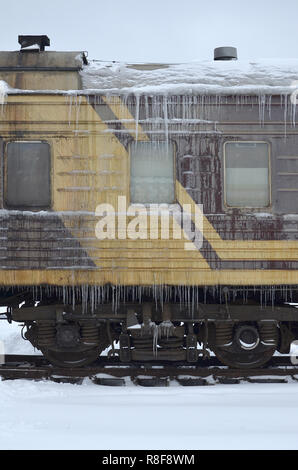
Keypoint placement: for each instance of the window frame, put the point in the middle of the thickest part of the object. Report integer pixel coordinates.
(5, 177)
(147, 204)
(226, 205)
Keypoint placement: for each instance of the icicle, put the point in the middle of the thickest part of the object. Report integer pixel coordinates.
(137, 114)
(262, 104)
(166, 328)
(293, 112)
(165, 116)
(154, 332)
(69, 108)
(269, 102)
(3, 94)
(146, 108)
(285, 112)
(78, 105)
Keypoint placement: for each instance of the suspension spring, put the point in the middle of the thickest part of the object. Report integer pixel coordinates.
(171, 343)
(224, 333)
(268, 333)
(46, 333)
(90, 333)
(143, 342)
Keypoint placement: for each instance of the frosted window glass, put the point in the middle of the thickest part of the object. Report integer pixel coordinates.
(28, 167)
(247, 174)
(152, 172)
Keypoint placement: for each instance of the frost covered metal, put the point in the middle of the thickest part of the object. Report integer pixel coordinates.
(93, 117)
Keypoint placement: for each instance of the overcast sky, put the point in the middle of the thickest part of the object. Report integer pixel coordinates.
(156, 30)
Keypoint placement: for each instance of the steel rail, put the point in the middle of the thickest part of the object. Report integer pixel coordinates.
(37, 368)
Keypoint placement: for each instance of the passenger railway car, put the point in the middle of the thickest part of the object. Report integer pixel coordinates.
(149, 208)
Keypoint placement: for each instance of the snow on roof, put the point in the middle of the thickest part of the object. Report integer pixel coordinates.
(265, 76)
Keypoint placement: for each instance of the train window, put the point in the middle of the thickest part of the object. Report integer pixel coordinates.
(27, 175)
(152, 172)
(247, 181)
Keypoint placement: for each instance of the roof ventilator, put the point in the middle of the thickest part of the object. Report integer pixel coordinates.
(33, 43)
(225, 53)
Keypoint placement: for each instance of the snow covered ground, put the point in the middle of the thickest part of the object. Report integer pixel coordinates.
(10, 335)
(47, 415)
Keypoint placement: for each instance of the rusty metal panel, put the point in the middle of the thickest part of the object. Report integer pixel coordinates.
(90, 140)
(42, 70)
(41, 80)
(41, 60)
(1, 170)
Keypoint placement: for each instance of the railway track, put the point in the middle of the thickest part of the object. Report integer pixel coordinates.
(110, 371)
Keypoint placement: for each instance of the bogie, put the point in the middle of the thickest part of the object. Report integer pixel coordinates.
(150, 332)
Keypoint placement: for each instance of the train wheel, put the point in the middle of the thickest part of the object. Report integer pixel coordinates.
(71, 358)
(244, 360)
(69, 345)
(247, 348)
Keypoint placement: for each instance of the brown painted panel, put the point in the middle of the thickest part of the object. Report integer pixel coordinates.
(39, 80)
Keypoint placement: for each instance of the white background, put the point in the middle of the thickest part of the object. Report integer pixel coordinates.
(48, 415)
(156, 30)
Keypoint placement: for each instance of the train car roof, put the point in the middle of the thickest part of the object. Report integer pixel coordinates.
(33, 72)
(269, 76)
